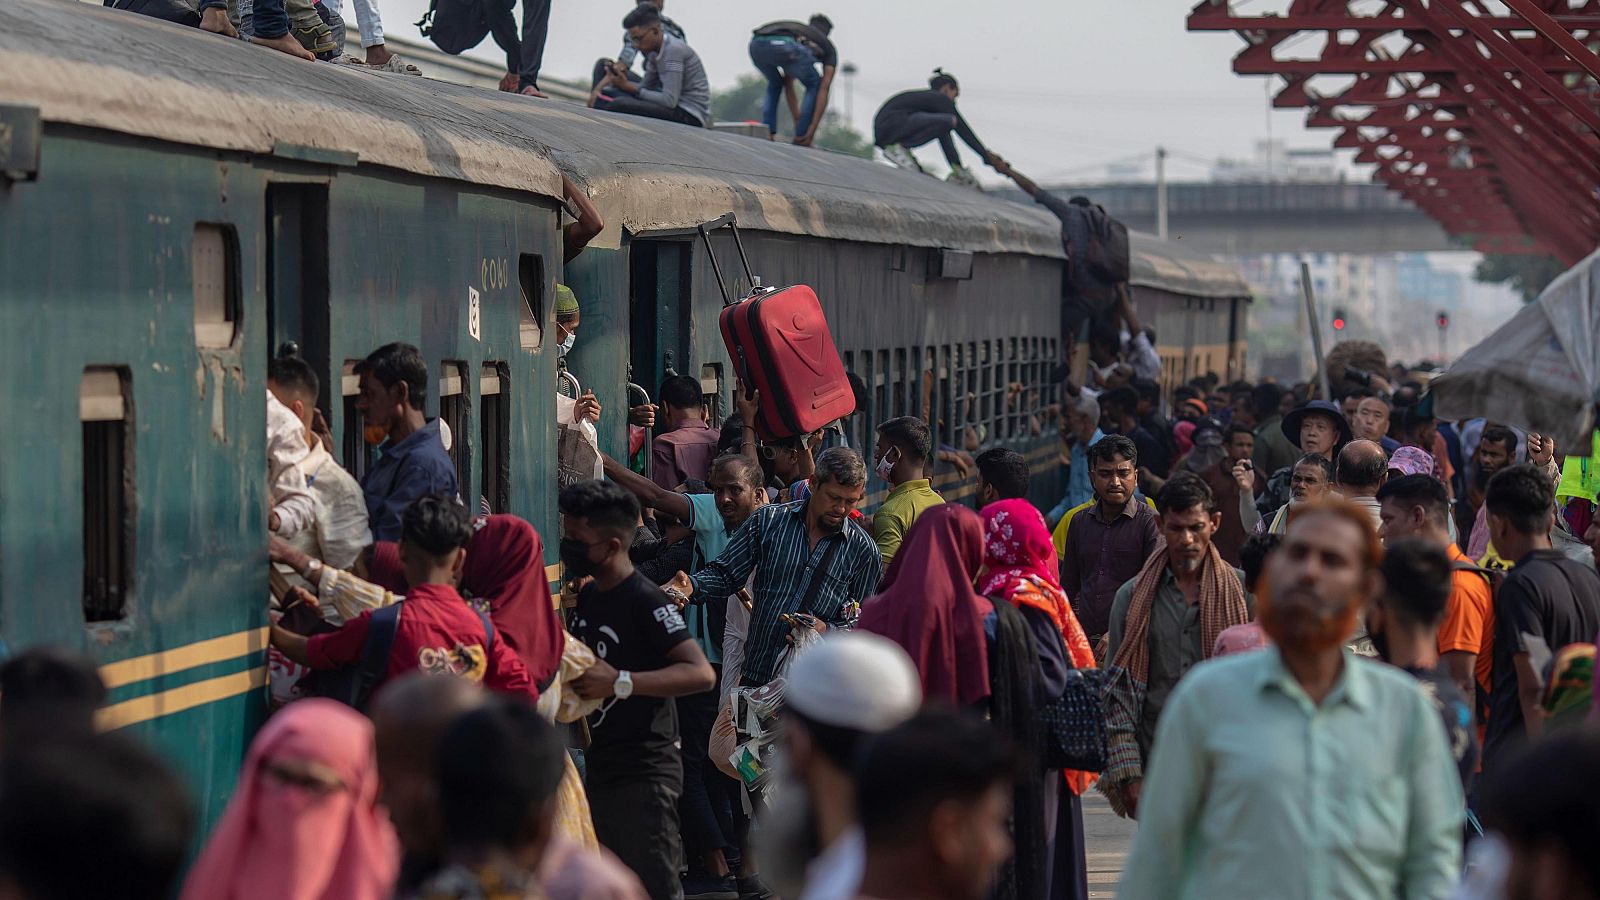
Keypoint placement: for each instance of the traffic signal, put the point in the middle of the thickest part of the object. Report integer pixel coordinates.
(1443, 320)
(1338, 320)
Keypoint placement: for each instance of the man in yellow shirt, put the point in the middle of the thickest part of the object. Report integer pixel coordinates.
(905, 447)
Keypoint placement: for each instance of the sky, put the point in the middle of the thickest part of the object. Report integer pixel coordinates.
(1058, 87)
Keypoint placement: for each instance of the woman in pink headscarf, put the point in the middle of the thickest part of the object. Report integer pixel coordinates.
(304, 821)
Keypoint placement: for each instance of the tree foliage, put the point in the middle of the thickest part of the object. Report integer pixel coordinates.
(742, 103)
(1528, 274)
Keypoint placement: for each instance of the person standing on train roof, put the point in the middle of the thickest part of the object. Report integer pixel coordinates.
(912, 118)
(412, 460)
(674, 87)
(684, 451)
(788, 51)
(340, 530)
(904, 451)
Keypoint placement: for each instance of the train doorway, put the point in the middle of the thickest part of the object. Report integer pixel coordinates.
(297, 276)
(659, 310)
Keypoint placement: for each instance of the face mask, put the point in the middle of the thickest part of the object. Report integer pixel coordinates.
(575, 558)
(885, 466)
(565, 346)
(374, 434)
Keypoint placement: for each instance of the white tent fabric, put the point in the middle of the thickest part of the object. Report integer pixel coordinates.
(1539, 371)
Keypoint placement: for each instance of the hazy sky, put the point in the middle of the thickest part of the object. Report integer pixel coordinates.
(1059, 87)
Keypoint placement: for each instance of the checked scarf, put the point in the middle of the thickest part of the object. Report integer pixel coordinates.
(1222, 605)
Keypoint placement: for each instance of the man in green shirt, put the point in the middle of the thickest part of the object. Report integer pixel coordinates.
(1301, 771)
(905, 448)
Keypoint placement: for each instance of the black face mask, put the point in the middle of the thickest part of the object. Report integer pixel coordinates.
(575, 558)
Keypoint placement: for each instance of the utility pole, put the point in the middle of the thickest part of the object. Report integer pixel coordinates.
(848, 70)
(1161, 192)
(1316, 327)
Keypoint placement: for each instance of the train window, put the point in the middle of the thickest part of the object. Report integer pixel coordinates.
(884, 389)
(453, 400)
(357, 452)
(214, 265)
(494, 424)
(530, 283)
(105, 409)
(901, 379)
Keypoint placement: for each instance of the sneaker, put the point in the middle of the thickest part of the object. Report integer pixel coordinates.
(963, 176)
(901, 157)
(710, 887)
(751, 887)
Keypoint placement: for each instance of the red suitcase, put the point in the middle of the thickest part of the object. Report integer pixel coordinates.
(780, 345)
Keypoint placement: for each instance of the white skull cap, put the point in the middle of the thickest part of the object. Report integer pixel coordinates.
(855, 680)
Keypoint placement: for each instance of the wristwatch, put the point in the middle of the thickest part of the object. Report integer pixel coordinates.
(623, 686)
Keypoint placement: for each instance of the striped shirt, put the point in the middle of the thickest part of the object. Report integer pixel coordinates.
(774, 545)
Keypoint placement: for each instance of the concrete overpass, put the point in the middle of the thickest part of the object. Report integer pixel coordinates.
(1246, 218)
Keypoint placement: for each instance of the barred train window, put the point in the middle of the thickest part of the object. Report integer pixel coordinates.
(357, 452)
(214, 265)
(105, 410)
(494, 423)
(453, 402)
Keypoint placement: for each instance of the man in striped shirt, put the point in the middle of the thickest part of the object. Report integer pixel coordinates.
(808, 557)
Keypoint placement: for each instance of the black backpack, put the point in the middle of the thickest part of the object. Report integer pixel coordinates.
(181, 12)
(353, 685)
(454, 26)
(1108, 246)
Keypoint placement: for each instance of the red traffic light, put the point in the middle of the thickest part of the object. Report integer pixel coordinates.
(1443, 321)
(1338, 323)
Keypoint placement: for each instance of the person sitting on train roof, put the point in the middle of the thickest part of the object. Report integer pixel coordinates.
(437, 631)
(339, 531)
(787, 51)
(674, 87)
(413, 462)
(269, 26)
(293, 508)
(685, 449)
(629, 52)
(904, 453)
(910, 119)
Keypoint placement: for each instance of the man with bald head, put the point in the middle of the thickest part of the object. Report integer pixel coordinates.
(1362, 468)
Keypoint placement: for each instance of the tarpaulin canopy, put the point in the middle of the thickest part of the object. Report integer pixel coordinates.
(1539, 371)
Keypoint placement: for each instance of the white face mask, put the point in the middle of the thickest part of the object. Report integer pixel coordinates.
(565, 346)
(886, 465)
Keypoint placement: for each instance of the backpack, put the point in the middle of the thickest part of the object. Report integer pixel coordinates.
(454, 26)
(1495, 577)
(353, 685)
(1108, 246)
(181, 12)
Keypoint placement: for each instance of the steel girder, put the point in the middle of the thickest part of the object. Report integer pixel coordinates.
(1488, 119)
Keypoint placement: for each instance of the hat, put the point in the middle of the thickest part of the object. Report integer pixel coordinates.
(1198, 404)
(1291, 422)
(1207, 432)
(854, 680)
(566, 301)
(1411, 461)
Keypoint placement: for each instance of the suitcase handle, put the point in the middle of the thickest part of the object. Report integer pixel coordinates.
(705, 229)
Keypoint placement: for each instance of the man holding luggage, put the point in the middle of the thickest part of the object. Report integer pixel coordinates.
(787, 52)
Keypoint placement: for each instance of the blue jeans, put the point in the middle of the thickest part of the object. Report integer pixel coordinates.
(779, 59)
(271, 20)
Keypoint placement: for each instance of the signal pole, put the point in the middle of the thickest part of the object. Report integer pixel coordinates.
(1443, 321)
(1161, 192)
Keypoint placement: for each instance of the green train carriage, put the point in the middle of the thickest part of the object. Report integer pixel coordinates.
(171, 213)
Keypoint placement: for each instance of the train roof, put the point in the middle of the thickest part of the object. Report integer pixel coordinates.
(1171, 266)
(100, 68)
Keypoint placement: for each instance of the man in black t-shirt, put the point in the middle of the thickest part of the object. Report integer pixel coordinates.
(646, 658)
(1404, 624)
(1546, 602)
(910, 119)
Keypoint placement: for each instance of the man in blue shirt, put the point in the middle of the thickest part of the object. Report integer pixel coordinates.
(412, 462)
(808, 557)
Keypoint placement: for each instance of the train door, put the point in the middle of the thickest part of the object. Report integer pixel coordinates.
(659, 310)
(297, 275)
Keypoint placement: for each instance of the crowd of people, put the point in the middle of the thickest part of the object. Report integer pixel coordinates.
(1319, 647)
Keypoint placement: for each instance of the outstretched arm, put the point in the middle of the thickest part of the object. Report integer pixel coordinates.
(821, 110)
(791, 98)
(649, 493)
